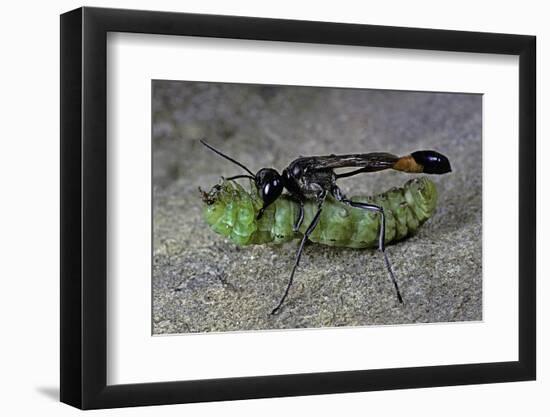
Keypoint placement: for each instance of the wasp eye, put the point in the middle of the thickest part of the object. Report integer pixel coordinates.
(266, 189)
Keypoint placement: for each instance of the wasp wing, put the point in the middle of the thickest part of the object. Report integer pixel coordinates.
(375, 161)
(367, 162)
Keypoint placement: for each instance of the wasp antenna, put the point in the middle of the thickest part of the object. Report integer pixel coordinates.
(226, 157)
(235, 177)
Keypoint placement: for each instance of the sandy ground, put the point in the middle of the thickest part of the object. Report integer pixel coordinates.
(204, 283)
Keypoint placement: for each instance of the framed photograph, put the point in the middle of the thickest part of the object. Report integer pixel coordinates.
(257, 208)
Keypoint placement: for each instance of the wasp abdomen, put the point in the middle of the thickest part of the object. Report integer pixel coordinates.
(231, 211)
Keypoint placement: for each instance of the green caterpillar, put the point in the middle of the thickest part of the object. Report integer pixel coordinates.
(232, 212)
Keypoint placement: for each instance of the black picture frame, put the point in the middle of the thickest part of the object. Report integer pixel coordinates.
(84, 207)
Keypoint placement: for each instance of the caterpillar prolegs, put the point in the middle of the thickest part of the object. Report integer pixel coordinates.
(231, 211)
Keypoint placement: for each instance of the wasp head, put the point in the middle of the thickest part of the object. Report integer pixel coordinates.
(270, 185)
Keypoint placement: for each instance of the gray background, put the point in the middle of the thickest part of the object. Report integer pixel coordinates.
(203, 282)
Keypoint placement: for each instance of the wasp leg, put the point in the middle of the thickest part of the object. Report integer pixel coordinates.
(298, 223)
(300, 218)
(308, 232)
(381, 244)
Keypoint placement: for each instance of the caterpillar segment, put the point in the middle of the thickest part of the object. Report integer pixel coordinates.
(232, 212)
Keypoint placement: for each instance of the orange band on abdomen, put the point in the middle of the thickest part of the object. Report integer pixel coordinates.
(408, 164)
